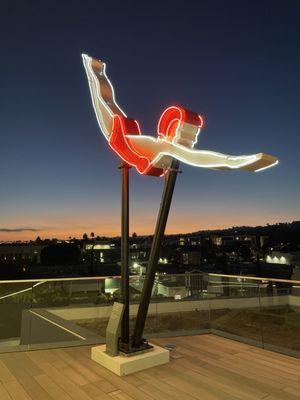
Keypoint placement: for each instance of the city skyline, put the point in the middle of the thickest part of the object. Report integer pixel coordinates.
(58, 176)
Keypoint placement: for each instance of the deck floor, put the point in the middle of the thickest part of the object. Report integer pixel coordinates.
(203, 367)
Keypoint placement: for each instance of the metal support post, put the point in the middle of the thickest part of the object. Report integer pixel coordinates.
(125, 256)
(161, 223)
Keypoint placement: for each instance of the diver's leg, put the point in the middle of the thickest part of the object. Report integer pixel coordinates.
(102, 94)
(155, 149)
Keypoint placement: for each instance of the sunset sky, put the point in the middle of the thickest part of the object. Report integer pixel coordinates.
(235, 62)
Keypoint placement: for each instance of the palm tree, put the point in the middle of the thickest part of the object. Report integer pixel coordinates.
(85, 236)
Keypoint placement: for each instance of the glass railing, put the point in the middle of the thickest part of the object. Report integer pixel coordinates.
(75, 311)
(258, 311)
(234, 307)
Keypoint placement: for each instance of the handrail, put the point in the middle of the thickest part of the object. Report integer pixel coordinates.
(255, 278)
(97, 278)
(84, 278)
(20, 291)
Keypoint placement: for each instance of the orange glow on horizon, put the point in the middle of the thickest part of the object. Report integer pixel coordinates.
(176, 225)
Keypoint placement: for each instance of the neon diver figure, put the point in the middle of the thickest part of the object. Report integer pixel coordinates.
(177, 133)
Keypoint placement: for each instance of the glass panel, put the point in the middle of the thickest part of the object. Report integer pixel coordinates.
(71, 312)
(91, 302)
(280, 305)
(179, 305)
(15, 300)
(235, 308)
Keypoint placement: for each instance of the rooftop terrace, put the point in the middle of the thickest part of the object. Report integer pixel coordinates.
(227, 330)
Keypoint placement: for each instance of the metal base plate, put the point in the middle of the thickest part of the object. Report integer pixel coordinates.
(132, 351)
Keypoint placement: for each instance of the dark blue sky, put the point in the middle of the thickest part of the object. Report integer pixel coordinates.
(235, 62)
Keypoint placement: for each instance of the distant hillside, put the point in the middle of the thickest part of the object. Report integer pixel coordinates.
(267, 229)
(285, 232)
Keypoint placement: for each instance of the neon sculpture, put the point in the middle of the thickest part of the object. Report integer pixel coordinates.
(177, 133)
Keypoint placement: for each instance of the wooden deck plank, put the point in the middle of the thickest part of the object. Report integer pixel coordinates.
(291, 363)
(72, 361)
(105, 386)
(277, 370)
(119, 395)
(74, 376)
(5, 374)
(54, 391)
(230, 386)
(65, 384)
(4, 395)
(156, 387)
(16, 391)
(259, 377)
(207, 367)
(94, 392)
(34, 390)
(196, 380)
(291, 372)
(83, 356)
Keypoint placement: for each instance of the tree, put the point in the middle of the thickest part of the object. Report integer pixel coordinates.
(85, 236)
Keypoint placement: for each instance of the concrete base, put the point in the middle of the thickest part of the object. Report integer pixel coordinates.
(122, 365)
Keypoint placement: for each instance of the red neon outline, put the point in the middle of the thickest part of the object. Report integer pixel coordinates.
(168, 126)
(168, 119)
(119, 143)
